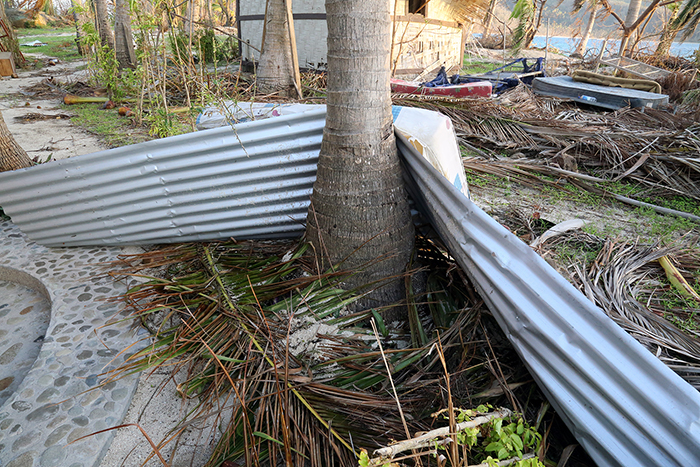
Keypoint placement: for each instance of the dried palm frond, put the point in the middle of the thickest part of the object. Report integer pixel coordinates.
(627, 282)
(255, 331)
(653, 147)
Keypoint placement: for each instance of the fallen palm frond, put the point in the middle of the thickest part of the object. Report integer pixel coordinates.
(259, 334)
(530, 173)
(655, 148)
(627, 281)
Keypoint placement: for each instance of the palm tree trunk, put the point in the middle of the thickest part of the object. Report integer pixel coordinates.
(123, 39)
(632, 14)
(359, 211)
(79, 19)
(10, 41)
(669, 33)
(488, 20)
(12, 156)
(581, 48)
(275, 72)
(103, 28)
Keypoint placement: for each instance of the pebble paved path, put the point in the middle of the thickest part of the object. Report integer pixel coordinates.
(56, 341)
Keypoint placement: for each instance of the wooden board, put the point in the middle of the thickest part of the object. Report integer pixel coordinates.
(602, 96)
(7, 64)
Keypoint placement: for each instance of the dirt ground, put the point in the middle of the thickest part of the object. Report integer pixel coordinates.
(39, 125)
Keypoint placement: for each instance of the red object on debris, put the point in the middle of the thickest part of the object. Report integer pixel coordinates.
(478, 89)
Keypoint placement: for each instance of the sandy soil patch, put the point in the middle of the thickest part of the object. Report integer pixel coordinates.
(48, 133)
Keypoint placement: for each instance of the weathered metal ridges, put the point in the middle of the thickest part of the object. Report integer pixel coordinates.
(254, 181)
(625, 407)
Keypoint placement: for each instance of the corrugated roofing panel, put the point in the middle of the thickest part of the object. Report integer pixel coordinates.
(251, 182)
(624, 406)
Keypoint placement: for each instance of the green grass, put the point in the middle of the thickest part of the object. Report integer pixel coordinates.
(60, 47)
(114, 130)
(475, 66)
(28, 32)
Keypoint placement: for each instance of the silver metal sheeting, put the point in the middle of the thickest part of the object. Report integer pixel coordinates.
(624, 406)
(251, 182)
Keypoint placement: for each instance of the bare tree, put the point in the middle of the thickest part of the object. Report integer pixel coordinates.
(103, 28)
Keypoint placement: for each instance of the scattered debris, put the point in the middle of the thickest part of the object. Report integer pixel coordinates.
(70, 99)
(34, 117)
(34, 44)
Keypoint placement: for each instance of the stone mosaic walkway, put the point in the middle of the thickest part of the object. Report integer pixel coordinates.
(56, 342)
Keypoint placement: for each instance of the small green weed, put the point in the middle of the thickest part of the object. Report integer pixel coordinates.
(114, 130)
(501, 438)
(163, 124)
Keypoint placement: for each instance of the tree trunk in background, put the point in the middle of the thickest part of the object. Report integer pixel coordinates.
(632, 15)
(79, 19)
(10, 42)
(103, 28)
(581, 48)
(12, 156)
(123, 39)
(188, 24)
(488, 19)
(209, 13)
(359, 211)
(275, 71)
(668, 35)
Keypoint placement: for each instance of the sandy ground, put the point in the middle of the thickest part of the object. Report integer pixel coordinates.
(56, 136)
(156, 406)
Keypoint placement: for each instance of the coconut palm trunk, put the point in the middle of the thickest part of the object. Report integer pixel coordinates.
(12, 156)
(123, 39)
(9, 41)
(103, 28)
(581, 48)
(670, 31)
(359, 211)
(632, 13)
(275, 72)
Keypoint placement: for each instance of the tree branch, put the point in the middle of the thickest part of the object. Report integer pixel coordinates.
(428, 439)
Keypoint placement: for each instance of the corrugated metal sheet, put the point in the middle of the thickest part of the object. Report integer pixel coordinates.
(624, 406)
(251, 182)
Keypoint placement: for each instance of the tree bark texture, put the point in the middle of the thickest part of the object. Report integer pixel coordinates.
(123, 39)
(275, 72)
(103, 28)
(488, 19)
(669, 33)
(359, 210)
(10, 41)
(581, 48)
(632, 13)
(12, 156)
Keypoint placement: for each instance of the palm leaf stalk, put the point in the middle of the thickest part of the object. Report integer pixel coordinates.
(627, 281)
(255, 332)
(654, 148)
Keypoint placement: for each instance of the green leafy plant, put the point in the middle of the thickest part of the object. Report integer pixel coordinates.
(511, 439)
